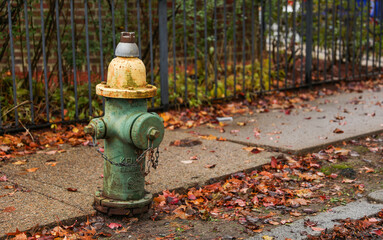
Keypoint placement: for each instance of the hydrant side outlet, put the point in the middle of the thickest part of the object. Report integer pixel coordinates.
(129, 133)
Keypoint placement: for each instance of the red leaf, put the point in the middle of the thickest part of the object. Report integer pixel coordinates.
(274, 163)
(114, 225)
(3, 179)
(9, 209)
(255, 200)
(72, 189)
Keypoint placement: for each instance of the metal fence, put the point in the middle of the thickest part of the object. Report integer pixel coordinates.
(54, 51)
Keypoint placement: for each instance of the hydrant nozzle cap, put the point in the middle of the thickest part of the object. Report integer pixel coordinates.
(127, 46)
(128, 37)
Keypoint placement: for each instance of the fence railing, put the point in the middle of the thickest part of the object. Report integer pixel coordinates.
(54, 52)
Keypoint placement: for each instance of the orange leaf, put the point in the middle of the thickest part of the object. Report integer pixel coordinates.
(32, 169)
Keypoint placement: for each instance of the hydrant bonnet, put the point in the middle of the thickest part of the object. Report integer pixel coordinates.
(126, 73)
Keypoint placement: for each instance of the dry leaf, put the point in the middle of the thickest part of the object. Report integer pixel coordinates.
(9, 209)
(32, 169)
(20, 162)
(210, 165)
(338, 131)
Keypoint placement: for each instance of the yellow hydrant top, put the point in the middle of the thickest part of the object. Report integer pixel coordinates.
(126, 73)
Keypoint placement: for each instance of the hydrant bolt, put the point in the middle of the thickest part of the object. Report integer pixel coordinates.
(89, 130)
(153, 133)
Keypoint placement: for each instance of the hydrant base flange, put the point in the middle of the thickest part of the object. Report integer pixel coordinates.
(119, 207)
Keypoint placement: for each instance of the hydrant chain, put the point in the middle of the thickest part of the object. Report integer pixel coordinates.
(153, 159)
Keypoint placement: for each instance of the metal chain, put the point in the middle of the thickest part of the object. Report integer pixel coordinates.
(151, 162)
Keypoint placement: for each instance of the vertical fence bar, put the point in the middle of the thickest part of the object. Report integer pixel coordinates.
(74, 58)
(44, 60)
(139, 27)
(101, 51)
(354, 40)
(243, 44)
(113, 26)
(293, 41)
(252, 45)
(215, 49)
(151, 46)
(348, 57)
(361, 40)
(333, 41)
(309, 41)
(373, 36)
(269, 47)
(380, 36)
(235, 48)
(174, 45)
(225, 44)
(13, 63)
(29, 61)
(325, 39)
(205, 52)
(126, 15)
(368, 34)
(261, 45)
(87, 57)
(195, 51)
(185, 52)
(163, 49)
(278, 38)
(302, 34)
(340, 39)
(59, 59)
(286, 42)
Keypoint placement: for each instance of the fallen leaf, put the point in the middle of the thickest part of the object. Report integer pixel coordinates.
(3, 178)
(210, 137)
(20, 162)
(194, 157)
(274, 163)
(338, 131)
(72, 189)
(9, 209)
(51, 152)
(52, 164)
(114, 225)
(317, 229)
(210, 165)
(187, 161)
(265, 237)
(297, 202)
(32, 169)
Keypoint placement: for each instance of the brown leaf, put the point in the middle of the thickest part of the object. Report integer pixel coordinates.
(20, 162)
(338, 131)
(297, 202)
(72, 189)
(32, 169)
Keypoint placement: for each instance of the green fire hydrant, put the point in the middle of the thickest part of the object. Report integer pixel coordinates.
(130, 133)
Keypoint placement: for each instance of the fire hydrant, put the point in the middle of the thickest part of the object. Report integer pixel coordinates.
(130, 133)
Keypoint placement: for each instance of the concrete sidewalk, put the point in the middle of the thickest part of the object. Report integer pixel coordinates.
(44, 198)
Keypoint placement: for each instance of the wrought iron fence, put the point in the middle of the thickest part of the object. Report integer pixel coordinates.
(54, 51)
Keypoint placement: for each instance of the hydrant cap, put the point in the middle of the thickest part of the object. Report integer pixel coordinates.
(127, 46)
